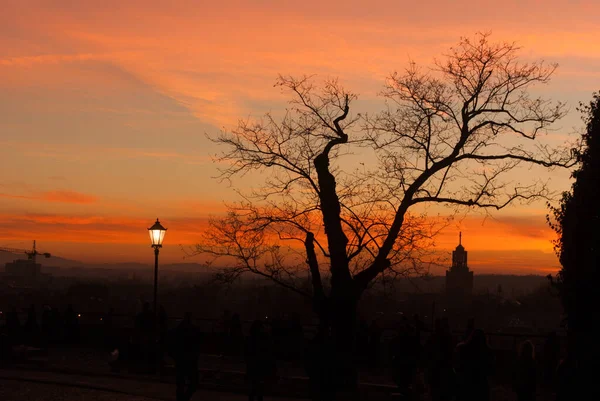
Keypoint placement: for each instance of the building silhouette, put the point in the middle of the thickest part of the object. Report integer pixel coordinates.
(459, 279)
(23, 268)
(23, 273)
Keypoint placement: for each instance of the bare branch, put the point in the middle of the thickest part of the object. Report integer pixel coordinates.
(349, 185)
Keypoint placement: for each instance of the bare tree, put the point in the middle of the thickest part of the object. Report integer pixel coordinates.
(452, 135)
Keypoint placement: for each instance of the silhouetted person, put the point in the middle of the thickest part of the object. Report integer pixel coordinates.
(296, 336)
(278, 335)
(226, 321)
(469, 329)
(6, 349)
(185, 350)
(550, 358)
(144, 321)
(236, 335)
(31, 328)
(567, 375)
(475, 364)
(71, 324)
(225, 327)
(46, 319)
(440, 374)
(320, 365)
(419, 326)
(56, 324)
(362, 341)
(13, 326)
(374, 343)
(108, 326)
(144, 337)
(163, 320)
(524, 382)
(163, 329)
(47, 325)
(405, 352)
(296, 325)
(260, 361)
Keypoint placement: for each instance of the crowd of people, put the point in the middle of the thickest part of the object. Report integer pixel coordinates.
(141, 349)
(421, 360)
(460, 367)
(53, 327)
(453, 367)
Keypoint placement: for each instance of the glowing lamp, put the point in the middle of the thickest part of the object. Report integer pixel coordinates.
(157, 234)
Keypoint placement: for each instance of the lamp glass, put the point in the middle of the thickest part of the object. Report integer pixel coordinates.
(157, 233)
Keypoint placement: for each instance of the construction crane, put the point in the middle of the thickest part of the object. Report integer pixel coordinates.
(31, 253)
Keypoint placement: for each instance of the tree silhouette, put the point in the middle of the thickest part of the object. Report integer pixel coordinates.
(351, 189)
(577, 222)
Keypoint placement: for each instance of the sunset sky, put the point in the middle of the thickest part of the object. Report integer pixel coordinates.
(104, 106)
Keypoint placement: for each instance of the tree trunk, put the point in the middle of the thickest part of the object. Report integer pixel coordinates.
(337, 314)
(343, 328)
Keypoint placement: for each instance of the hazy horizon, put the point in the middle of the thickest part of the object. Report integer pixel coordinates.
(510, 262)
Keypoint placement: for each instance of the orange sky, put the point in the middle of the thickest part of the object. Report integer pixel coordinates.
(104, 106)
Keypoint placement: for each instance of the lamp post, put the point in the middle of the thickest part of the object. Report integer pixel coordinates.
(157, 234)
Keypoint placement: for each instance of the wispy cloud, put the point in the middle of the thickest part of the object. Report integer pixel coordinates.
(73, 152)
(55, 196)
(95, 229)
(28, 61)
(186, 51)
(68, 197)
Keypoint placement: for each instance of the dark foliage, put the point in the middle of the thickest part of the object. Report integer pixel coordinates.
(577, 221)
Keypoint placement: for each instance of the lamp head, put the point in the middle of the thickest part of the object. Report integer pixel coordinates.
(157, 234)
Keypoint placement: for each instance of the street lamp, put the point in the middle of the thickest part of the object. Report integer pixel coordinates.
(157, 234)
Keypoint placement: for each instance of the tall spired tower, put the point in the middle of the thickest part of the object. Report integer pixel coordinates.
(459, 279)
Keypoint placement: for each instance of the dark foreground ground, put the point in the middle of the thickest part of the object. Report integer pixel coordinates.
(16, 390)
(34, 385)
(46, 386)
(84, 374)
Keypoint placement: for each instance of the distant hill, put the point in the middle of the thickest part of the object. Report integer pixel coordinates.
(511, 285)
(6, 257)
(170, 267)
(58, 262)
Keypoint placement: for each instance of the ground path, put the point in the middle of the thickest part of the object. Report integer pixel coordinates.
(30, 385)
(82, 371)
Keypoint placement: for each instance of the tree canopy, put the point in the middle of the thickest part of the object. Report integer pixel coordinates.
(350, 188)
(577, 222)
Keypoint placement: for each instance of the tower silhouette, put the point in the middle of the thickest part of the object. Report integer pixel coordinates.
(459, 279)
